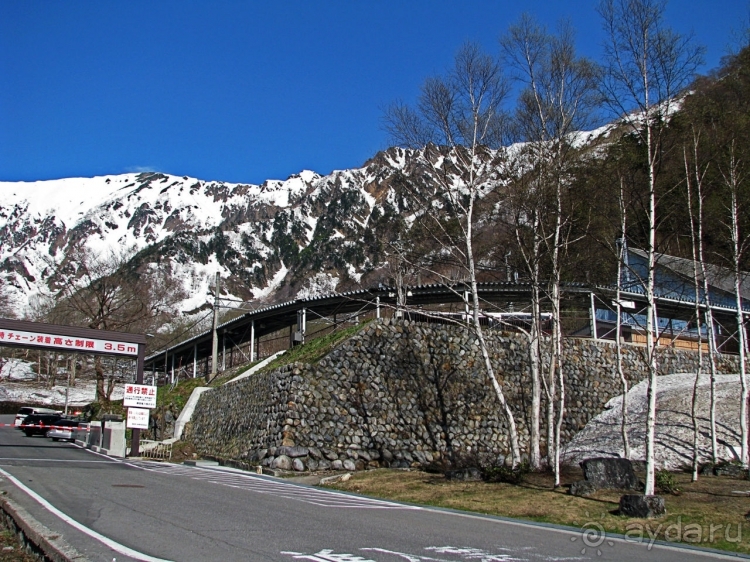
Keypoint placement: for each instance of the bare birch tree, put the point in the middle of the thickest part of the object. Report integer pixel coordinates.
(556, 101)
(622, 249)
(696, 242)
(733, 176)
(646, 66)
(461, 111)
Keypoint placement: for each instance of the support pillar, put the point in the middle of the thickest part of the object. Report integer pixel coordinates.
(252, 341)
(215, 340)
(593, 318)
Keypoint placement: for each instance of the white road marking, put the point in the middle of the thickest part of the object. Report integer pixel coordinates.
(464, 553)
(116, 546)
(253, 483)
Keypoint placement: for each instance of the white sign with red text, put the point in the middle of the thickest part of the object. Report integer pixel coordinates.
(139, 396)
(137, 418)
(68, 342)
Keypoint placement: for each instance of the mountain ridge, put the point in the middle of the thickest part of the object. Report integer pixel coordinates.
(245, 231)
(306, 235)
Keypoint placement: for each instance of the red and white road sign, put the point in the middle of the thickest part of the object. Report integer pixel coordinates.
(139, 396)
(21, 337)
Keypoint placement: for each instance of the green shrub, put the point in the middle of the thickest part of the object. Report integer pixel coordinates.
(504, 473)
(666, 483)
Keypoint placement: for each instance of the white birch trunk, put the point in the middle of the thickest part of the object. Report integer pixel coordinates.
(695, 241)
(618, 326)
(731, 178)
(651, 329)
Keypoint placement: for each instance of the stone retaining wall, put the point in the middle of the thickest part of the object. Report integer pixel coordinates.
(399, 394)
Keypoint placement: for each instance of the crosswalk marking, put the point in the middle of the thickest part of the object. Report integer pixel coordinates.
(265, 485)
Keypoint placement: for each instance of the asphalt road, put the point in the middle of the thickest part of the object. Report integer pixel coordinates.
(173, 512)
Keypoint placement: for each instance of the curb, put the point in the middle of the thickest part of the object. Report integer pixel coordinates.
(44, 543)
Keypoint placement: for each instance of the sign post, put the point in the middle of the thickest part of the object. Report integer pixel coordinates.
(139, 399)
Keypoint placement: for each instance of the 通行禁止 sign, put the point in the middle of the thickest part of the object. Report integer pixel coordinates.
(139, 396)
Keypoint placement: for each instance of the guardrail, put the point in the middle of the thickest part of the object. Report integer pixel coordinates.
(155, 449)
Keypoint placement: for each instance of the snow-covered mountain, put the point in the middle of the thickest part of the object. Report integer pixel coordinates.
(306, 235)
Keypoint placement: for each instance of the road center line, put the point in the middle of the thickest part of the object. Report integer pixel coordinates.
(116, 546)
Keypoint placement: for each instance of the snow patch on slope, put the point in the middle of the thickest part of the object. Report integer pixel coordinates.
(674, 427)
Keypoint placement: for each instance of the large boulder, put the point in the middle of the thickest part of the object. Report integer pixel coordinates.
(610, 473)
(643, 507)
(582, 488)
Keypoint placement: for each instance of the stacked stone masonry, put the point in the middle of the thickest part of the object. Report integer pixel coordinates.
(404, 394)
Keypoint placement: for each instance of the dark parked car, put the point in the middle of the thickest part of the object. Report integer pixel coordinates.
(39, 424)
(28, 410)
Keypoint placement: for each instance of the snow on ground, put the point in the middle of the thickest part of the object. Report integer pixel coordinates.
(674, 428)
(18, 383)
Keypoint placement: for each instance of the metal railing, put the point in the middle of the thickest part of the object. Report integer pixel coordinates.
(155, 449)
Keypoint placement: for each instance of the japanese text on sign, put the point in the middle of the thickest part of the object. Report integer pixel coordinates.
(138, 418)
(139, 396)
(66, 342)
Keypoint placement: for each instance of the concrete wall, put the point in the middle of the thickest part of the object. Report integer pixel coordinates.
(401, 393)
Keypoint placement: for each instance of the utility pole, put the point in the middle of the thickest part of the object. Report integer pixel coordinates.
(215, 343)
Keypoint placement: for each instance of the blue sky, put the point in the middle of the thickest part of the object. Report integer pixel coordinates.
(244, 91)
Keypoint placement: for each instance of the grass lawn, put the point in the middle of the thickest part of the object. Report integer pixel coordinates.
(706, 513)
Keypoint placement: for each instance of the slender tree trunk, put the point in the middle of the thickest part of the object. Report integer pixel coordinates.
(49, 369)
(536, 387)
(618, 324)
(651, 328)
(101, 395)
(531, 259)
(695, 241)
(556, 358)
(512, 430)
(647, 64)
(731, 178)
(709, 319)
